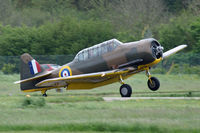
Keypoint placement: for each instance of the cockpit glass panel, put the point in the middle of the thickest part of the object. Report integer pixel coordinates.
(80, 57)
(104, 49)
(85, 55)
(98, 51)
(95, 52)
(115, 44)
(89, 53)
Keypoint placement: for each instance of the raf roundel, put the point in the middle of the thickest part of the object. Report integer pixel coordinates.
(65, 71)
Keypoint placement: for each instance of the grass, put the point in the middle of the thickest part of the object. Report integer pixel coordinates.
(85, 111)
(136, 115)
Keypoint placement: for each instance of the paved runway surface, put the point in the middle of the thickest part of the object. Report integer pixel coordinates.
(147, 98)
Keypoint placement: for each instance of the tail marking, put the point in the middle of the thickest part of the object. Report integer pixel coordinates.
(34, 67)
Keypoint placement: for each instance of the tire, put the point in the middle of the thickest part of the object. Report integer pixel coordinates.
(125, 90)
(44, 95)
(154, 86)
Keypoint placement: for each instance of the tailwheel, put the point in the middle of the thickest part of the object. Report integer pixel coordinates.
(125, 90)
(44, 94)
(153, 83)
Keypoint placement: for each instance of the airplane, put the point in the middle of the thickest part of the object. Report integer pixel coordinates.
(102, 64)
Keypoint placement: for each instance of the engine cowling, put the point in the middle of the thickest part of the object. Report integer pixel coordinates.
(157, 50)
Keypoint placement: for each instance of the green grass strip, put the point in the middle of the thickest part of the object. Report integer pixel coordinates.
(103, 127)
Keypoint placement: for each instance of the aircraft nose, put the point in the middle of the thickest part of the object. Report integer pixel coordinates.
(157, 49)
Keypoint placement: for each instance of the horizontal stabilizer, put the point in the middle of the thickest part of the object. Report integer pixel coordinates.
(173, 51)
(33, 78)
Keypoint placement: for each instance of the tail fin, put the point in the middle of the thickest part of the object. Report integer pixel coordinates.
(30, 72)
(29, 67)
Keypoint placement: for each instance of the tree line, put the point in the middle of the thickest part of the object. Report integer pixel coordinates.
(51, 27)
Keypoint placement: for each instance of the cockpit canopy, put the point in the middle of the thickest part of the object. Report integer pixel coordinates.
(97, 50)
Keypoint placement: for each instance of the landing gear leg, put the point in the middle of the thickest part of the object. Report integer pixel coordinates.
(153, 83)
(125, 89)
(44, 94)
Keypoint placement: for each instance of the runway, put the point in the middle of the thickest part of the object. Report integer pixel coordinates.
(149, 98)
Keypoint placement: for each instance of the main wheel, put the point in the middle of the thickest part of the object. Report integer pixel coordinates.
(154, 84)
(125, 90)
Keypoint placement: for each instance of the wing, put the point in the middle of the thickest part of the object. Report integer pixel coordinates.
(173, 51)
(92, 78)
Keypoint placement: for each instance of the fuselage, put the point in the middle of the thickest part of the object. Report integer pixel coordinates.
(106, 56)
(110, 55)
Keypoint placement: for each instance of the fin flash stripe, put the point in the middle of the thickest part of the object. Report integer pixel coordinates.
(34, 67)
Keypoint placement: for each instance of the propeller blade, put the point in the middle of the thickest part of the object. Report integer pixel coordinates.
(173, 51)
